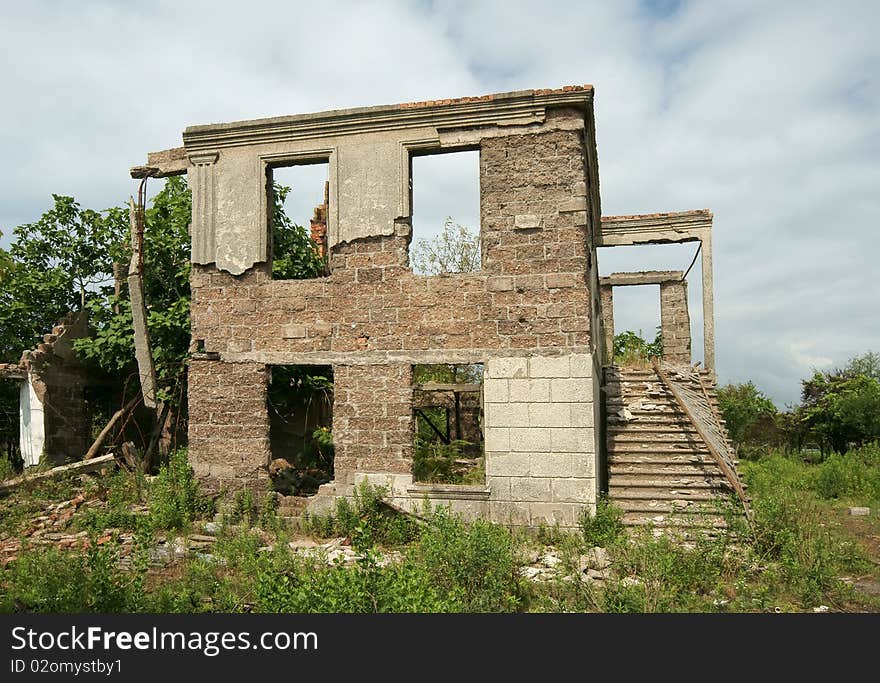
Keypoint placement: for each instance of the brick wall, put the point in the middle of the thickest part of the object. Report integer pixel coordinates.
(228, 424)
(675, 322)
(372, 318)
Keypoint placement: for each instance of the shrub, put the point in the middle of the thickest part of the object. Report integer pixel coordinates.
(854, 475)
(47, 579)
(471, 564)
(174, 496)
(295, 584)
(605, 527)
(364, 519)
(789, 527)
(672, 576)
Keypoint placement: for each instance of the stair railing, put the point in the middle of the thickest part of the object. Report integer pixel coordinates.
(706, 420)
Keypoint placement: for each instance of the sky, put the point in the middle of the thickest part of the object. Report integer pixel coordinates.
(766, 113)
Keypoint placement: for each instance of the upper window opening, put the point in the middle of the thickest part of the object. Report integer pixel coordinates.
(298, 209)
(445, 212)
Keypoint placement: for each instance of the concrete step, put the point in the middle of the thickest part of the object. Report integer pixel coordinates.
(660, 437)
(647, 428)
(668, 505)
(659, 460)
(657, 492)
(649, 468)
(694, 479)
(661, 448)
(699, 522)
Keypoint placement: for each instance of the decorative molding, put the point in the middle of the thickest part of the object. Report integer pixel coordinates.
(201, 182)
(515, 108)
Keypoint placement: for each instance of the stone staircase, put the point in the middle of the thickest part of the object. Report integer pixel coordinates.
(660, 471)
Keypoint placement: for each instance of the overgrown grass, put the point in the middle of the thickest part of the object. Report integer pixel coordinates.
(364, 519)
(792, 557)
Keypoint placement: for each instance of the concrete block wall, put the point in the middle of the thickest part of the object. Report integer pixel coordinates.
(540, 439)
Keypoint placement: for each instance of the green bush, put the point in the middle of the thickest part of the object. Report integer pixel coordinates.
(174, 495)
(470, 563)
(364, 519)
(47, 579)
(790, 528)
(605, 527)
(854, 475)
(672, 576)
(294, 584)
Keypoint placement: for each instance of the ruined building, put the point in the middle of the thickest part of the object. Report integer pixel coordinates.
(53, 414)
(556, 418)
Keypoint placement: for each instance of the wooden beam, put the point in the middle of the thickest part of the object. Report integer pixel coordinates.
(457, 388)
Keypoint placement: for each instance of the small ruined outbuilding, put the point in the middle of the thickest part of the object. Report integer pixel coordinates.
(53, 415)
(559, 423)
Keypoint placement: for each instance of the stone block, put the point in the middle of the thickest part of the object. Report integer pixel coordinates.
(571, 490)
(526, 222)
(583, 414)
(499, 284)
(507, 415)
(549, 415)
(549, 366)
(529, 489)
(581, 365)
(508, 513)
(573, 390)
(529, 390)
(583, 464)
(293, 331)
(573, 204)
(497, 439)
(529, 439)
(499, 487)
(496, 390)
(507, 368)
(553, 514)
(571, 440)
(507, 464)
(550, 465)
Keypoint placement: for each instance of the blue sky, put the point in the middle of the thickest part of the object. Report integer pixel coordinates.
(766, 113)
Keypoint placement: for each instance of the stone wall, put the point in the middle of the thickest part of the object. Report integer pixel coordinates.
(228, 423)
(527, 310)
(55, 419)
(372, 318)
(675, 321)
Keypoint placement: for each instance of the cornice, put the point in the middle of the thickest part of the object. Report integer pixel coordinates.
(513, 108)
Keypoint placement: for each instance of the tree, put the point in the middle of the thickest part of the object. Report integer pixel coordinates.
(631, 347)
(65, 261)
(867, 364)
(294, 255)
(841, 410)
(455, 250)
(748, 413)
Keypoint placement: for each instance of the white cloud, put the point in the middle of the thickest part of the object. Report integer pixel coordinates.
(767, 113)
